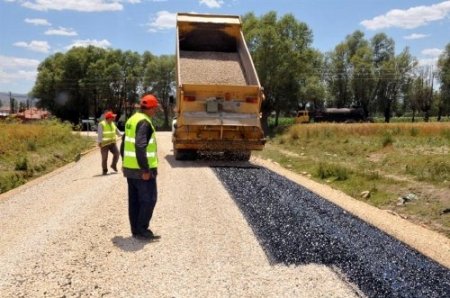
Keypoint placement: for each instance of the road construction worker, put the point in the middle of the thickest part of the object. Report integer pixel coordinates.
(140, 163)
(106, 139)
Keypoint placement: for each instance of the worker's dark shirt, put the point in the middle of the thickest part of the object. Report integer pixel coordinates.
(144, 132)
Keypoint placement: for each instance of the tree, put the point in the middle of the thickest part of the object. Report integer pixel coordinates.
(280, 49)
(444, 77)
(12, 104)
(22, 107)
(424, 90)
(391, 73)
(339, 76)
(351, 73)
(87, 81)
(159, 78)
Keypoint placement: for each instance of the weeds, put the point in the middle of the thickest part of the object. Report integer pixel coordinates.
(387, 139)
(22, 164)
(26, 150)
(325, 171)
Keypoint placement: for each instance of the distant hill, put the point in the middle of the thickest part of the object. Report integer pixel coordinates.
(4, 98)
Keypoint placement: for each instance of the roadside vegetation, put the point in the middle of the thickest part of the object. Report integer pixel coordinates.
(28, 151)
(401, 167)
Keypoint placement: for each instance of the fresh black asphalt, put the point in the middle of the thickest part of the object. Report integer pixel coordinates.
(296, 226)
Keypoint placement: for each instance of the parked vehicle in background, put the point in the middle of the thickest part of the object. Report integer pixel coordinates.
(346, 115)
(219, 96)
(88, 124)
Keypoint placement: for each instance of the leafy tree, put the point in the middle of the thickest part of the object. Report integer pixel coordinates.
(425, 82)
(340, 76)
(351, 73)
(12, 105)
(391, 73)
(444, 77)
(280, 49)
(87, 81)
(22, 107)
(159, 78)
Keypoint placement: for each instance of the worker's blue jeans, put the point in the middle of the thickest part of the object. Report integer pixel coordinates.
(142, 196)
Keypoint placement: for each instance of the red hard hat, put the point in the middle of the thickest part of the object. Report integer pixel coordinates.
(110, 115)
(149, 101)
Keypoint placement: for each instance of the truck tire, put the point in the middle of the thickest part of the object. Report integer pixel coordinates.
(237, 155)
(244, 155)
(184, 154)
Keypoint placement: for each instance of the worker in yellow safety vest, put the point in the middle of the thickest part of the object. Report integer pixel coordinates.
(107, 132)
(140, 164)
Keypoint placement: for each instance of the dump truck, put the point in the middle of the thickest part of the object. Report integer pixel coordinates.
(218, 94)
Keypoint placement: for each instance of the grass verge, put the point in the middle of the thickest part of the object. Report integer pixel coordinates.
(30, 150)
(389, 161)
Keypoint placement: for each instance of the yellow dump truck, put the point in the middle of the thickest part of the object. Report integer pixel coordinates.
(219, 96)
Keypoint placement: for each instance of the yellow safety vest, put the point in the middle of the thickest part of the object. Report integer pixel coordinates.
(109, 133)
(129, 156)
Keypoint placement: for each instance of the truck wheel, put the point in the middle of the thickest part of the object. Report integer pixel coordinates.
(183, 154)
(191, 154)
(178, 154)
(244, 155)
(237, 155)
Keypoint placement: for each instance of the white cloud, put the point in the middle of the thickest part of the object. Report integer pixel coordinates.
(61, 31)
(410, 18)
(90, 42)
(77, 5)
(163, 20)
(8, 62)
(38, 22)
(415, 36)
(432, 52)
(16, 69)
(428, 62)
(212, 3)
(34, 45)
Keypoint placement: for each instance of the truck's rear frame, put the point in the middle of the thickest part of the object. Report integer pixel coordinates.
(216, 117)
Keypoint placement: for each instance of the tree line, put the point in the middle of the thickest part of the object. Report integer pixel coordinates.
(357, 72)
(86, 81)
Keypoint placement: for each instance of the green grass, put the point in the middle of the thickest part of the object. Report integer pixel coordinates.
(389, 160)
(31, 150)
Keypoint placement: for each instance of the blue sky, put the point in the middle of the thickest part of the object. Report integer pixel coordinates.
(31, 30)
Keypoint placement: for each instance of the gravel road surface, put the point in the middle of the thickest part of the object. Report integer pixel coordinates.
(67, 235)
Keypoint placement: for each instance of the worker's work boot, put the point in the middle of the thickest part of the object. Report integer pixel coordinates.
(105, 172)
(114, 167)
(146, 236)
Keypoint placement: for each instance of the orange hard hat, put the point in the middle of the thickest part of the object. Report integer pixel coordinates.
(149, 101)
(110, 115)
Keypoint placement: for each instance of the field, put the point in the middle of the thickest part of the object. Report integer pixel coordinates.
(31, 150)
(401, 167)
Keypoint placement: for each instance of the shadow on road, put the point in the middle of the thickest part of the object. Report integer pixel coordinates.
(208, 161)
(128, 244)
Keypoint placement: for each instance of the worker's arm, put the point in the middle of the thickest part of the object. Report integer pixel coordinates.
(143, 134)
(122, 146)
(119, 133)
(99, 134)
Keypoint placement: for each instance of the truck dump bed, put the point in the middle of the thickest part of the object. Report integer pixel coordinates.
(218, 92)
